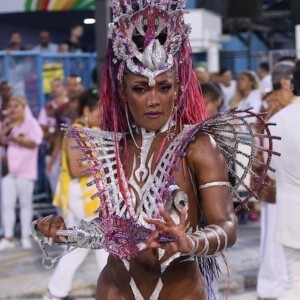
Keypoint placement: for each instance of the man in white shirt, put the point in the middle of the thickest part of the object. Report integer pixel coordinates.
(45, 45)
(265, 78)
(228, 87)
(287, 178)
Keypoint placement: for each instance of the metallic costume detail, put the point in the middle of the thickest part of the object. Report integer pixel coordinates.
(136, 33)
(215, 183)
(217, 227)
(149, 103)
(217, 237)
(223, 127)
(121, 227)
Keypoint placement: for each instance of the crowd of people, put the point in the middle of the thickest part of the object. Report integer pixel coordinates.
(71, 103)
(72, 44)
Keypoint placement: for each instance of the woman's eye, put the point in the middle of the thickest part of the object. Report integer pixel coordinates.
(138, 89)
(165, 88)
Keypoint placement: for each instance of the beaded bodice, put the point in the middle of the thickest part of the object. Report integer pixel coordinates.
(119, 194)
(103, 165)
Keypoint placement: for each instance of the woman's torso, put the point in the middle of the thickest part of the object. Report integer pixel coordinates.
(181, 279)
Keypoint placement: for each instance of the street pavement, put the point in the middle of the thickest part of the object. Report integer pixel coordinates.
(23, 277)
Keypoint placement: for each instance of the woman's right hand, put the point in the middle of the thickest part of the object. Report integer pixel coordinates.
(49, 225)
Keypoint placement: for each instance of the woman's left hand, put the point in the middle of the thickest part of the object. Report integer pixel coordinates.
(168, 227)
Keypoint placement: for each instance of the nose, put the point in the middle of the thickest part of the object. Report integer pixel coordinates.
(154, 97)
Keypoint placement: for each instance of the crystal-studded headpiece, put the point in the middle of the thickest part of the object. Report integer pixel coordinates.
(146, 35)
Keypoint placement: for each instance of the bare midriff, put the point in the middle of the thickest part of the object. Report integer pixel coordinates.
(182, 280)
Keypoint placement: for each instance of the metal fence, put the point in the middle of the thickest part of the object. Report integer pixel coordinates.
(239, 61)
(30, 73)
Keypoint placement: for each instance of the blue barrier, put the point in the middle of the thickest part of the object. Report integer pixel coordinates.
(30, 72)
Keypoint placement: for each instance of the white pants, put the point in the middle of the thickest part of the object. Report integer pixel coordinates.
(13, 188)
(292, 289)
(61, 281)
(54, 174)
(272, 274)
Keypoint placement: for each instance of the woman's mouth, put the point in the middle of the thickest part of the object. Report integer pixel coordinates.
(153, 114)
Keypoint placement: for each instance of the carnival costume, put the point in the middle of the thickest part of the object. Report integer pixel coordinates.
(121, 228)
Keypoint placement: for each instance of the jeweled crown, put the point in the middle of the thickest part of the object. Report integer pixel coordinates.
(147, 34)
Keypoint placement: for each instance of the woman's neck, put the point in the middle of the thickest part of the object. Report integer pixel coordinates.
(17, 122)
(245, 94)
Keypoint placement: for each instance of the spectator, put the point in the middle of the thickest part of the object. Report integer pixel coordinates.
(63, 48)
(66, 113)
(74, 41)
(48, 121)
(202, 73)
(15, 42)
(212, 96)
(247, 92)
(287, 179)
(272, 273)
(45, 44)
(228, 87)
(22, 135)
(74, 199)
(215, 78)
(265, 78)
(5, 94)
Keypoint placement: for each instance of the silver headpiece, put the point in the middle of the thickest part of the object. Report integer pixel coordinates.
(147, 34)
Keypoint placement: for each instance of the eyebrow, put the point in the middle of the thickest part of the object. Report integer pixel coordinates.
(146, 82)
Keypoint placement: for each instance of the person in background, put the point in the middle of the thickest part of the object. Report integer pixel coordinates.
(65, 113)
(265, 78)
(73, 197)
(215, 78)
(15, 42)
(272, 273)
(22, 134)
(212, 96)
(5, 95)
(74, 41)
(63, 48)
(228, 87)
(201, 69)
(45, 44)
(48, 121)
(247, 93)
(287, 177)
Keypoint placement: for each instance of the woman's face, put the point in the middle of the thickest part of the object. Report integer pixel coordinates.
(244, 83)
(137, 93)
(16, 110)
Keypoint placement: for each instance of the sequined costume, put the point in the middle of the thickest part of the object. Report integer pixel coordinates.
(149, 38)
(121, 227)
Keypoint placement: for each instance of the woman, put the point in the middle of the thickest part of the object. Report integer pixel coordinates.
(247, 94)
(22, 135)
(165, 196)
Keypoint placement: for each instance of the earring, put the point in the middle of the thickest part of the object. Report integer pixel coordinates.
(175, 95)
(129, 126)
(149, 103)
(171, 134)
